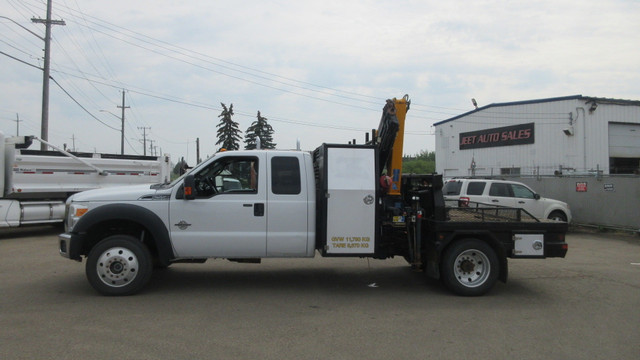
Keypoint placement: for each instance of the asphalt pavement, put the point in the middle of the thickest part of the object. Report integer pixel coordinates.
(586, 306)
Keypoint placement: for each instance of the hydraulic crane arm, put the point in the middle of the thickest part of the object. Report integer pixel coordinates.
(390, 140)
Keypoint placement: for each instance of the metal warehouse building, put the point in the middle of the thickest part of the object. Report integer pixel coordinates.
(565, 135)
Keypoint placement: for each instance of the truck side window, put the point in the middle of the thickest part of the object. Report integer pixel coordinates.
(500, 189)
(228, 175)
(520, 191)
(285, 175)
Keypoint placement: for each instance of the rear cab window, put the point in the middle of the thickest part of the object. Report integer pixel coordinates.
(285, 175)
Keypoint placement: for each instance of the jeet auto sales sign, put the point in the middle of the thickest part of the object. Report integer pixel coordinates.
(502, 136)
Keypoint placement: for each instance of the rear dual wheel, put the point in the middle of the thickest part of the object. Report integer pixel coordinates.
(469, 267)
(119, 265)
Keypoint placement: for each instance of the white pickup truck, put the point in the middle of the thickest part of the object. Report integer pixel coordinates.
(249, 205)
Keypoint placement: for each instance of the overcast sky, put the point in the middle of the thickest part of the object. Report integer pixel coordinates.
(319, 71)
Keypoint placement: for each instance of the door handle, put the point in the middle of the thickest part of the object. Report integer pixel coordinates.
(495, 200)
(258, 209)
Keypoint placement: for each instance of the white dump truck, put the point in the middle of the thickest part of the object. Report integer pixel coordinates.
(35, 183)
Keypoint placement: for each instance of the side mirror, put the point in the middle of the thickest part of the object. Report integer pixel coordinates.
(189, 187)
(536, 196)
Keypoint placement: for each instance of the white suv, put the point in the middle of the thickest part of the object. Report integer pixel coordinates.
(505, 193)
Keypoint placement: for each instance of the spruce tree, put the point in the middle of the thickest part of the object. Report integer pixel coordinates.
(259, 129)
(228, 130)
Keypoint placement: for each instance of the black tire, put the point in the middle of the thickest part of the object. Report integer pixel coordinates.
(157, 265)
(469, 267)
(558, 216)
(119, 265)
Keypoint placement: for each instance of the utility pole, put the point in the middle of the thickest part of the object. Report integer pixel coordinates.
(150, 147)
(44, 130)
(197, 151)
(122, 135)
(144, 138)
(18, 121)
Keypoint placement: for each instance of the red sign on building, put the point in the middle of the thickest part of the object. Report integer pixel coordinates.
(502, 136)
(581, 187)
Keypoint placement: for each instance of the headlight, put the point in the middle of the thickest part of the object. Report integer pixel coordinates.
(74, 214)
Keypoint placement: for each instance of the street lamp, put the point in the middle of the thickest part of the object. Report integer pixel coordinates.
(32, 33)
(121, 131)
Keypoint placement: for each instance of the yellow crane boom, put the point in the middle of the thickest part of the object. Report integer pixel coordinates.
(394, 166)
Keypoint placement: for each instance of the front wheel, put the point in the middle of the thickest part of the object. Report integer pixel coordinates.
(119, 265)
(470, 267)
(557, 216)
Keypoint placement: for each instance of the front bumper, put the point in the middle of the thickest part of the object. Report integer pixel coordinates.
(69, 246)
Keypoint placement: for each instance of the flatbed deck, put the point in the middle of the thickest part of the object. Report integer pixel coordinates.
(465, 214)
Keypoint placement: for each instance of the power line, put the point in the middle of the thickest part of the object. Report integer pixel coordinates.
(211, 60)
(80, 105)
(15, 48)
(22, 61)
(251, 71)
(91, 22)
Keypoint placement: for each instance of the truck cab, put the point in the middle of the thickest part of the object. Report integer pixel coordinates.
(264, 207)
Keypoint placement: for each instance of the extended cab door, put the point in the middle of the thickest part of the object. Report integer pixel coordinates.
(291, 206)
(227, 218)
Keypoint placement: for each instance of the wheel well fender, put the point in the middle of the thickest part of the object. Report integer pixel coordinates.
(555, 209)
(129, 213)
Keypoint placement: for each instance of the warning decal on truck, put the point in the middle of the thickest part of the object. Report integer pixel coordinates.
(350, 244)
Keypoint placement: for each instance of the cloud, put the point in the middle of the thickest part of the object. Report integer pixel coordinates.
(319, 70)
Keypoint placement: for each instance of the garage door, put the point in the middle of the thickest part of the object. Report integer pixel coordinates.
(624, 140)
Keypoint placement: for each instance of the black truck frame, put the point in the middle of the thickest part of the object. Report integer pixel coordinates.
(467, 248)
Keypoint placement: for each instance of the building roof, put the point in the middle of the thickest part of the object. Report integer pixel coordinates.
(526, 102)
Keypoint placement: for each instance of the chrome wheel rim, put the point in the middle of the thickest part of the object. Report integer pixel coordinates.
(472, 268)
(117, 266)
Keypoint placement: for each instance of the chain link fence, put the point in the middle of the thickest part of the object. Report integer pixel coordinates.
(607, 201)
